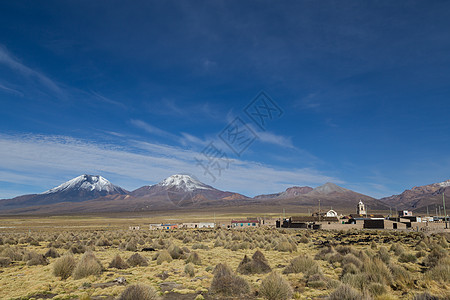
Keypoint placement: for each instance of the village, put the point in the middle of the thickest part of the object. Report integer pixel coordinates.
(329, 220)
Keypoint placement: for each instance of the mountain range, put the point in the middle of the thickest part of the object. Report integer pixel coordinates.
(95, 194)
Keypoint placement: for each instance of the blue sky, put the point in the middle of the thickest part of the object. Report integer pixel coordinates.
(136, 91)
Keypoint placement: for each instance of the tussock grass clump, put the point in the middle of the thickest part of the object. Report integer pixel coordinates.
(189, 270)
(137, 260)
(64, 266)
(227, 283)
(377, 271)
(286, 246)
(256, 265)
(52, 253)
(194, 258)
(440, 272)
(78, 249)
(200, 246)
(407, 257)
(34, 259)
(302, 264)
(358, 281)
(402, 277)
(5, 261)
(376, 289)
(397, 249)
(118, 263)
(275, 287)
(435, 255)
(131, 246)
(175, 251)
(138, 292)
(13, 253)
(350, 258)
(346, 292)
(163, 256)
(88, 265)
(102, 242)
(384, 255)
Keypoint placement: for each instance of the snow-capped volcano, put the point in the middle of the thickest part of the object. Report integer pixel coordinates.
(78, 189)
(184, 182)
(87, 183)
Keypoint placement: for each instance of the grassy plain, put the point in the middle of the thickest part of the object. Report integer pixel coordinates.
(372, 264)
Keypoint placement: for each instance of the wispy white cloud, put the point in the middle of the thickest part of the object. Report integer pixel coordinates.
(153, 129)
(10, 90)
(26, 158)
(13, 63)
(107, 100)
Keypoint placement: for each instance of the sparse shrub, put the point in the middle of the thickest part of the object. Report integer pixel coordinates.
(302, 264)
(346, 292)
(118, 263)
(194, 258)
(5, 261)
(64, 266)
(88, 265)
(275, 287)
(137, 260)
(407, 257)
(258, 264)
(163, 256)
(138, 292)
(51, 253)
(225, 282)
(189, 270)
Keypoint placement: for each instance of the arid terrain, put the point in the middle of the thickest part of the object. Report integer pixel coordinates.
(78, 258)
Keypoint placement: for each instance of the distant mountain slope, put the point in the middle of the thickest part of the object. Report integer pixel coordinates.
(288, 193)
(419, 197)
(78, 189)
(336, 197)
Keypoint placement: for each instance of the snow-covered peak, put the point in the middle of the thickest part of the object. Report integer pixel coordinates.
(184, 182)
(445, 183)
(86, 182)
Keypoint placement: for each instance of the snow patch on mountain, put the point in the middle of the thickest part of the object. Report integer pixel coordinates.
(85, 182)
(444, 184)
(184, 182)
